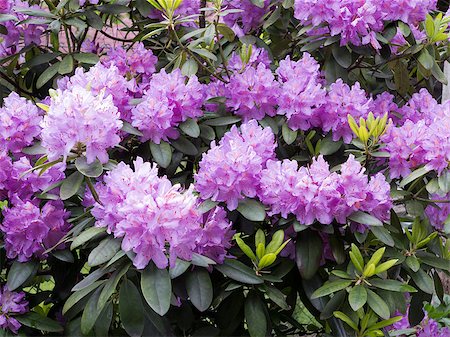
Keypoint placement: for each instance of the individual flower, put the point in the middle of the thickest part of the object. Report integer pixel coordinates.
(157, 221)
(11, 304)
(73, 121)
(301, 91)
(29, 231)
(230, 170)
(19, 123)
(247, 19)
(170, 100)
(253, 93)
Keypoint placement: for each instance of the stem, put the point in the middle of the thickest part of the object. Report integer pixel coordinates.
(69, 47)
(222, 55)
(93, 191)
(202, 20)
(114, 38)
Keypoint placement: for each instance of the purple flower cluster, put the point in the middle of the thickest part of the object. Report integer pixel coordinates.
(427, 328)
(11, 304)
(19, 123)
(170, 100)
(315, 193)
(231, 170)
(423, 139)
(100, 79)
(247, 19)
(438, 216)
(19, 35)
(157, 221)
(73, 121)
(358, 21)
(136, 62)
(29, 231)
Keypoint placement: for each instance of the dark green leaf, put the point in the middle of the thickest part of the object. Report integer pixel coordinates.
(85, 236)
(378, 305)
(365, 219)
(392, 285)
(128, 128)
(255, 315)
(190, 128)
(185, 146)
(223, 121)
(131, 309)
(90, 313)
(92, 170)
(47, 75)
(342, 55)
(79, 295)
(36, 321)
(414, 175)
(331, 287)
(276, 296)
(162, 153)
(71, 185)
(383, 235)
(289, 135)
(87, 58)
(308, 253)
(113, 9)
(104, 321)
(189, 68)
(19, 273)
(157, 288)
(333, 304)
(239, 272)
(357, 297)
(199, 289)
(66, 65)
(104, 252)
(252, 210)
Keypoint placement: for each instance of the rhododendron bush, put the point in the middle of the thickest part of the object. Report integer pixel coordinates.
(224, 168)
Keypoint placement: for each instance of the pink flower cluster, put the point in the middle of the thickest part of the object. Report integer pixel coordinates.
(231, 170)
(438, 216)
(316, 194)
(170, 100)
(73, 120)
(99, 79)
(11, 304)
(136, 62)
(423, 139)
(19, 123)
(157, 221)
(358, 21)
(247, 19)
(29, 231)
(427, 328)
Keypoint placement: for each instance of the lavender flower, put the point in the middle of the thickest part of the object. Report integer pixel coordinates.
(11, 304)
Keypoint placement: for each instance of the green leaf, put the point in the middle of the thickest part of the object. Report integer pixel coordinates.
(276, 296)
(343, 317)
(426, 60)
(201, 261)
(47, 75)
(85, 236)
(258, 3)
(383, 235)
(90, 313)
(87, 58)
(36, 321)
(103, 322)
(185, 146)
(413, 263)
(365, 219)
(113, 9)
(190, 128)
(238, 271)
(276, 14)
(444, 181)
(91, 170)
(71, 185)
(199, 289)
(180, 267)
(66, 65)
(226, 31)
(289, 135)
(20, 273)
(342, 55)
(110, 286)
(378, 305)
(104, 252)
(331, 287)
(128, 128)
(156, 287)
(223, 121)
(189, 68)
(436, 262)
(328, 146)
(255, 316)
(423, 281)
(93, 20)
(162, 153)
(392, 285)
(357, 297)
(308, 253)
(414, 175)
(205, 53)
(131, 309)
(438, 73)
(79, 295)
(252, 210)
(333, 304)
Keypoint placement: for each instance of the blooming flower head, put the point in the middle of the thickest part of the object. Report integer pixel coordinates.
(19, 123)
(29, 231)
(169, 101)
(253, 93)
(11, 304)
(248, 18)
(157, 221)
(438, 214)
(230, 171)
(258, 55)
(301, 91)
(73, 120)
(99, 79)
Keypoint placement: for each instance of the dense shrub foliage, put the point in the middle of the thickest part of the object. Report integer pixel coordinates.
(224, 168)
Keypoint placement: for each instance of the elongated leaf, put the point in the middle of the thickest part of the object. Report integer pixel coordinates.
(191, 128)
(331, 287)
(156, 287)
(66, 65)
(199, 289)
(85, 236)
(365, 219)
(255, 315)
(378, 305)
(383, 235)
(131, 309)
(90, 313)
(252, 210)
(39, 322)
(414, 175)
(162, 153)
(436, 262)
(71, 185)
(222, 121)
(104, 251)
(357, 297)
(78, 295)
(185, 146)
(19, 273)
(392, 285)
(308, 253)
(47, 75)
(92, 170)
(276, 296)
(128, 128)
(110, 286)
(423, 281)
(333, 304)
(239, 272)
(289, 135)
